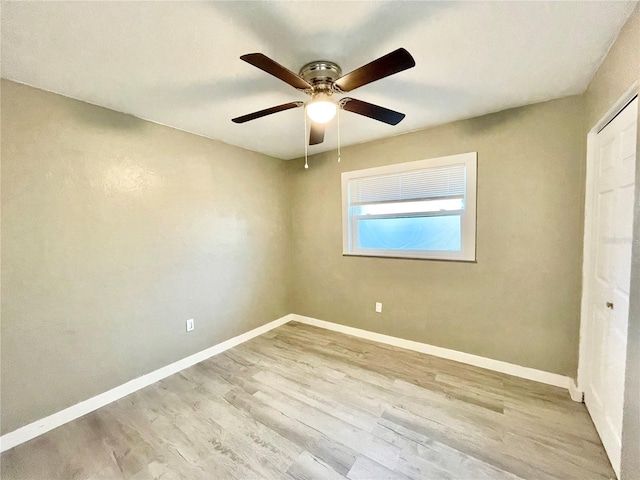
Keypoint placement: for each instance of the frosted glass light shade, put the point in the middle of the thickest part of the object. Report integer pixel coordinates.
(322, 109)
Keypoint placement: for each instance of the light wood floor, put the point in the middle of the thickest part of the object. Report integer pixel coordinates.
(305, 403)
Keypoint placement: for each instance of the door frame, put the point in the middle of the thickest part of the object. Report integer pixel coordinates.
(589, 241)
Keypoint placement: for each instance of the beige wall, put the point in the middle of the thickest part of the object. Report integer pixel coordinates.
(115, 231)
(520, 302)
(618, 72)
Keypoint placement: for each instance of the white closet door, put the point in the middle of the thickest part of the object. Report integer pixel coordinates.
(608, 305)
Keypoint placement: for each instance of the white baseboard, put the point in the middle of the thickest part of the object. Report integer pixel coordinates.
(475, 360)
(577, 395)
(32, 430)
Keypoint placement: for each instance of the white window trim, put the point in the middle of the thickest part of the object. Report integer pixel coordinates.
(467, 252)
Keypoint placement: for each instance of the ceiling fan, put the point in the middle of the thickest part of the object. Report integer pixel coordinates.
(321, 79)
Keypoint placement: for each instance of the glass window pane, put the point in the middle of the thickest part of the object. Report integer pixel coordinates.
(440, 233)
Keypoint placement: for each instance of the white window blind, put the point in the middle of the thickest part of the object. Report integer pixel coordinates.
(423, 184)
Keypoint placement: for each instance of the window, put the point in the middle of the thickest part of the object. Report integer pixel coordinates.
(423, 209)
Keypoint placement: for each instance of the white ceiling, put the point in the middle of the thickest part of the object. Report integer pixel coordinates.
(176, 63)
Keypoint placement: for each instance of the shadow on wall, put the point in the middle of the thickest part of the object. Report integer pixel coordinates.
(107, 120)
(492, 121)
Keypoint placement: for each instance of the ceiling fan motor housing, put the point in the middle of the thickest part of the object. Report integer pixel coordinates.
(321, 74)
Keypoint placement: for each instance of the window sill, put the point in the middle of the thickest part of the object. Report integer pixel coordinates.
(399, 257)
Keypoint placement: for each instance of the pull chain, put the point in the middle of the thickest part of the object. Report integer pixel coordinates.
(306, 147)
(338, 134)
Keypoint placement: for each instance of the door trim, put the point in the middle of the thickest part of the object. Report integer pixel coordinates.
(587, 262)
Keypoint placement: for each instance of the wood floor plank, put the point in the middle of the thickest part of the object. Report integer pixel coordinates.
(366, 469)
(338, 456)
(302, 403)
(424, 457)
(308, 467)
(322, 401)
(335, 429)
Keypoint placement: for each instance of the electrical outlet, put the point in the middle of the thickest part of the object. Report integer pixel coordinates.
(379, 307)
(190, 325)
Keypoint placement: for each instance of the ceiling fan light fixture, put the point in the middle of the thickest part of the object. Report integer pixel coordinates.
(322, 108)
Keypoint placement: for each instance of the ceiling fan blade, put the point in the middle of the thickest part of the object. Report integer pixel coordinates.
(316, 134)
(267, 111)
(266, 64)
(372, 111)
(391, 63)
